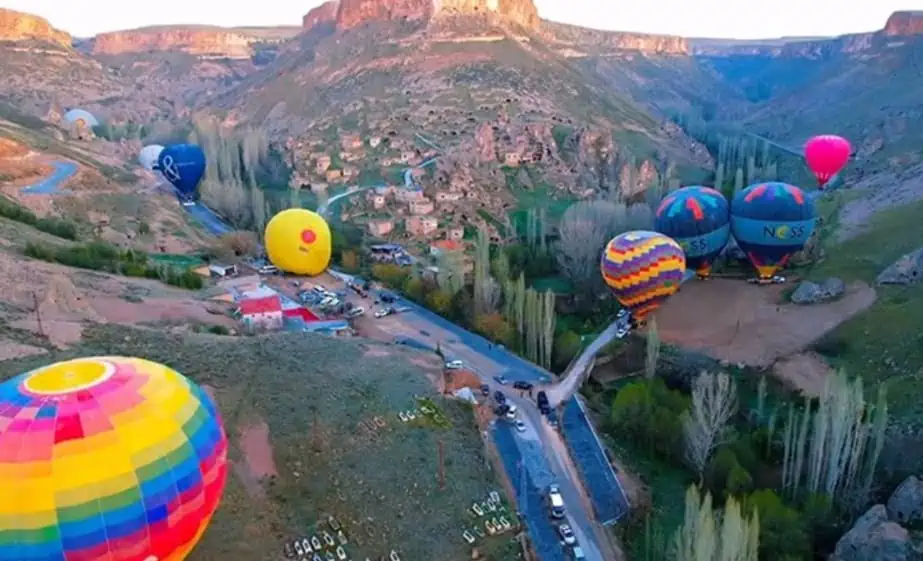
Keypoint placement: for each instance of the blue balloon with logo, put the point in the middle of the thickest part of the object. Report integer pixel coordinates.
(183, 165)
(771, 222)
(698, 218)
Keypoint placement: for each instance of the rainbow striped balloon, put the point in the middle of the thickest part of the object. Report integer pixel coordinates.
(643, 269)
(107, 459)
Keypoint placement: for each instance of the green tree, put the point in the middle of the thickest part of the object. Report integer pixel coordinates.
(439, 301)
(349, 260)
(495, 328)
(566, 347)
(415, 289)
(783, 533)
(392, 275)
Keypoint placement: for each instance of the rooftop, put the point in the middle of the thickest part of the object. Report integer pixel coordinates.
(265, 305)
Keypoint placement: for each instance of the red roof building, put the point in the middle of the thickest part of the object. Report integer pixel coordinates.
(265, 312)
(301, 312)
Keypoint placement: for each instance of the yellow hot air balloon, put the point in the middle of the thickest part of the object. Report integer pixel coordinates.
(298, 242)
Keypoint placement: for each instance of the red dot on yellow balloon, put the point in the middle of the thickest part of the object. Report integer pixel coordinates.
(308, 236)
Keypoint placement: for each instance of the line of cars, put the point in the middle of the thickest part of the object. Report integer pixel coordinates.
(328, 301)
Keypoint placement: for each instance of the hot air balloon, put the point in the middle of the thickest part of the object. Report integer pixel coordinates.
(826, 155)
(81, 118)
(771, 222)
(298, 241)
(643, 269)
(698, 218)
(183, 165)
(107, 458)
(149, 155)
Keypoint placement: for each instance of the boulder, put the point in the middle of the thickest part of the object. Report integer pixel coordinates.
(906, 270)
(808, 292)
(906, 504)
(875, 538)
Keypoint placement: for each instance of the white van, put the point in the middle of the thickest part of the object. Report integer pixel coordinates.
(556, 500)
(268, 270)
(511, 412)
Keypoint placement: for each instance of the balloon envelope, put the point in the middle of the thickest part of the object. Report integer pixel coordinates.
(298, 241)
(183, 165)
(771, 222)
(643, 269)
(826, 156)
(107, 458)
(698, 218)
(149, 155)
(81, 118)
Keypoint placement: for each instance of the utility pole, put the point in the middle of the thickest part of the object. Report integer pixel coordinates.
(38, 315)
(441, 465)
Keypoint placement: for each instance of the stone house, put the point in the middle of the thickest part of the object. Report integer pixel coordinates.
(377, 201)
(374, 141)
(421, 225)
(421, 206)
(380, 227)
(351, 142)
(448, 196)
(322, 163)
(455, 233)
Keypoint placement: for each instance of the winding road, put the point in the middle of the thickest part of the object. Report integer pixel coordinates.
(52, 184)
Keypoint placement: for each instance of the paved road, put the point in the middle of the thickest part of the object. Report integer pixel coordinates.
(51, 184)
(208, 218)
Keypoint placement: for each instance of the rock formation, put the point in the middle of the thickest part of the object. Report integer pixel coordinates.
(326, 13)
(906, 270)
(354, 13)
(193, 40)
(905, 23)
(17, 26)
(583, 40)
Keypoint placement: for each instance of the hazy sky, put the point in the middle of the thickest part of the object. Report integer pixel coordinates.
(744, 19)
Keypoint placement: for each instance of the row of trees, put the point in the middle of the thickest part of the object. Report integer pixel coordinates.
(828, 451)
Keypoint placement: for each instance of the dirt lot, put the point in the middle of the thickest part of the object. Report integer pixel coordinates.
(744, 323)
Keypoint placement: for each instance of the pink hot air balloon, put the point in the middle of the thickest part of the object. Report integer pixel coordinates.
(826, 155)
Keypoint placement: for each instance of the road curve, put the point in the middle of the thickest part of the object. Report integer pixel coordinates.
(52, 184)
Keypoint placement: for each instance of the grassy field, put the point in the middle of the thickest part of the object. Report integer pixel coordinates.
(884, 344)
(381, 484)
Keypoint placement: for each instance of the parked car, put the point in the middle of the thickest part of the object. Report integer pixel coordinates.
(454, 365)
(578, 554)
(269, 270)
(556, 501)
(501, 380)
(382, 312)
(520, 426)
(499, 397)
(519, 385)
(355, 312)
(567, 534)
(541, 400)
(485, 390)
(552, 418)
(511, 411)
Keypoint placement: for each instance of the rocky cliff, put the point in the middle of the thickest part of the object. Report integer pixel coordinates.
(353, 13)
(576, 41)
(202, 41)
(324, 14)
(899, 24)
(17, 26)
(905, 23)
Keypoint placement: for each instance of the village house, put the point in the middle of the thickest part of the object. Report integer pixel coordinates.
(374, 141)
(457, 183)
(380, 227)
(333, 175)
(407, 195)
(442, 247)
(421, 206)
(448, 196)
(351, 142)
(407, 156)
(511, 159)
(377, 201)
(322, 163)
(350, 171)
(262, 313)
(421, 225)
(456, 233)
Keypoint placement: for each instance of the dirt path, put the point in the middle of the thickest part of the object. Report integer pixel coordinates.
(743, 323)
(807, 372)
